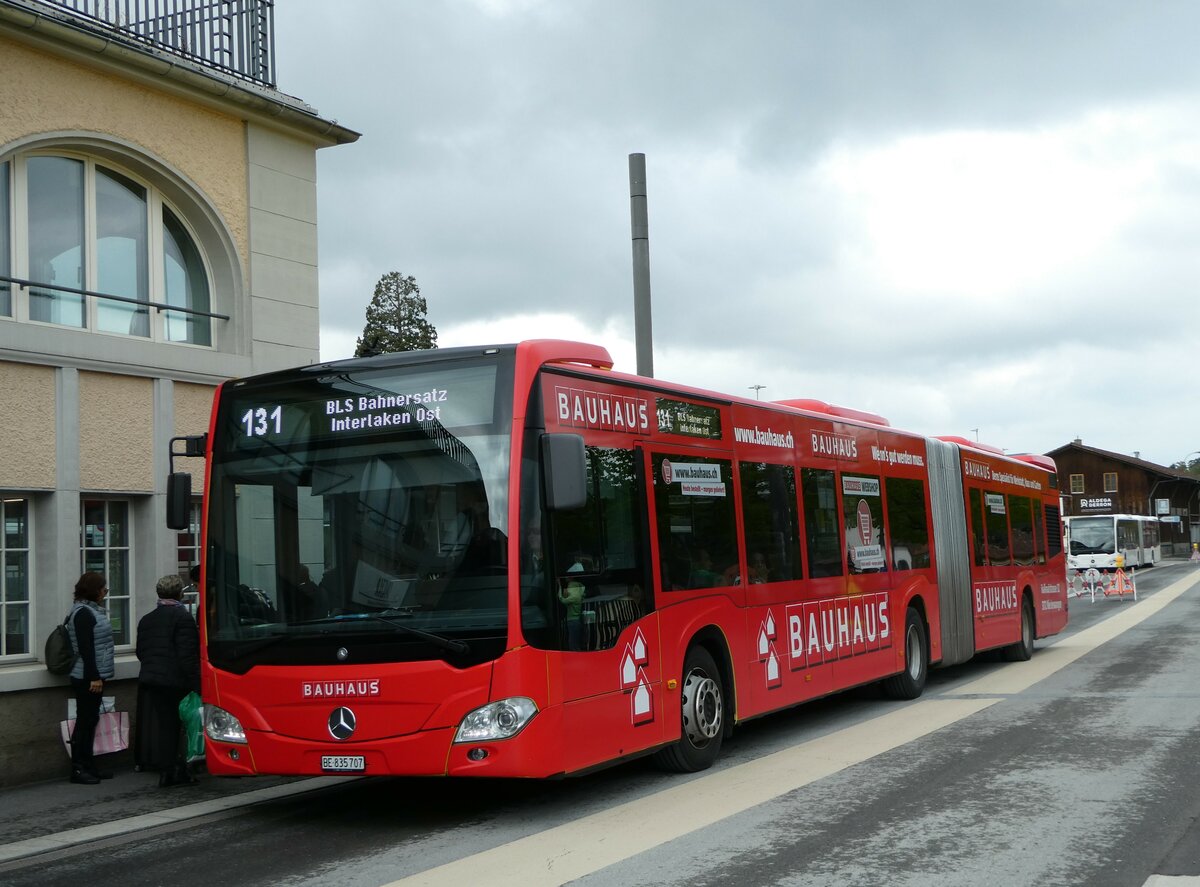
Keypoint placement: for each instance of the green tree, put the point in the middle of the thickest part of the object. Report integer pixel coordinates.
(1191, 466)
(396, 318)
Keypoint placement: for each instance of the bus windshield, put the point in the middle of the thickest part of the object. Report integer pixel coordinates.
(363, 508)
(1092, 535)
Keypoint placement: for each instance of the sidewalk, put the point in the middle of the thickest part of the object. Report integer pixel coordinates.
(48, 816)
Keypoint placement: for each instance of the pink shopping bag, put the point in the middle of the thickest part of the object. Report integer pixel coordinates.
(112, 733)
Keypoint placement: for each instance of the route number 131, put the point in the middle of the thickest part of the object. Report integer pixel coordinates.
(259, 422)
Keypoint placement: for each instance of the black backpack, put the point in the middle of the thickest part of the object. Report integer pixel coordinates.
(60, 655)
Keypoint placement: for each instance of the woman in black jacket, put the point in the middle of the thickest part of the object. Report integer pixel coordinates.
(168, 646)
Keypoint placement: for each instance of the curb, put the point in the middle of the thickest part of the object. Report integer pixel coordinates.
(74, 837)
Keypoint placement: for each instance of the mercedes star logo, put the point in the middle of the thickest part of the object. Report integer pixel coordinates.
(341, 723)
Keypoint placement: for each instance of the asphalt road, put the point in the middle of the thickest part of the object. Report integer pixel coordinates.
(1076, 768)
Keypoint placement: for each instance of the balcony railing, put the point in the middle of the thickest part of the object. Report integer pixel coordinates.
(236, 37)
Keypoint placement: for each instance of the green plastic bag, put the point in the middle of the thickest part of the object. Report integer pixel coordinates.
(191, 713)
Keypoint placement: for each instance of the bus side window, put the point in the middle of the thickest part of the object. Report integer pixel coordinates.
(771, 521)
(975, 519)
(1039, 539)
(821, 524)
(999, 548)
(1021, 516)
(1053, 529)
(908, 526)
(697, 536)
(597, 566)
(862, 513)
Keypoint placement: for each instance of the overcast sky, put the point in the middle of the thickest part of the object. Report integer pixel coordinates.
(960, 215)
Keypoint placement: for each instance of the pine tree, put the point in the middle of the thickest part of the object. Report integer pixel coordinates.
(396, 318)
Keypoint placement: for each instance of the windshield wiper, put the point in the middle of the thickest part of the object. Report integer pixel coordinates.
(458, 648)
(452, 646)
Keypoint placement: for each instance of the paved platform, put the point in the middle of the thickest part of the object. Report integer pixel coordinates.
(44, 817)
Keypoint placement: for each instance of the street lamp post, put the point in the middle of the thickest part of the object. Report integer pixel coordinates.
(757, 388)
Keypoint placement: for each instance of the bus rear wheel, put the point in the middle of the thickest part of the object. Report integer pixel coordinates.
(910, 683)
(1023, 649)
(702, 716)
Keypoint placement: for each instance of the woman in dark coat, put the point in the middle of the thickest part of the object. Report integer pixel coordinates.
(168, 646)
(95, 662)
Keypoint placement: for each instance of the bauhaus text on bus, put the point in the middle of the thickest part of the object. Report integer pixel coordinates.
(513, 561)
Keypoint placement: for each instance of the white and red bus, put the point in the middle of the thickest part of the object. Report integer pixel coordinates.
(513, 561)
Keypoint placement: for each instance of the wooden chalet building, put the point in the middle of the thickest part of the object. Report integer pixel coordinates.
(1094, 481)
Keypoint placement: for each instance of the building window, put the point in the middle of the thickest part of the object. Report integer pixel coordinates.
(104, 549)
(187, 546)
(54, 221)
(14, 567)
(5, 242)
(185, 283)
(84, 225)
(1110, 481)
(1076, 483)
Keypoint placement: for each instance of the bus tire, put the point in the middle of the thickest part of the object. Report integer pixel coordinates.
(1022, 650)
(702, 716)
(910, 683)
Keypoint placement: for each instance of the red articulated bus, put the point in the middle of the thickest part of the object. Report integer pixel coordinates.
(513, 561)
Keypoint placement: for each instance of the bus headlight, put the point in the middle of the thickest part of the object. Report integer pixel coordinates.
(497, 720)
(221, 726)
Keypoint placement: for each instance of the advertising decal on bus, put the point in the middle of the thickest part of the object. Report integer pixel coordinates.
(694, 478)
(984, 472)
(826, 443)
(997, 597)
(633, 679)
(837, 628)
(768, 438)
(1051, 591)
(580, 408)
(897, 457)
(767, 654)
(867, 554)
(342, 689)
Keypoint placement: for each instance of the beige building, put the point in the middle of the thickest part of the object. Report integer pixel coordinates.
(157, 235)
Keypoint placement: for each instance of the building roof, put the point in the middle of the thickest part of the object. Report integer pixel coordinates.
(1149, 467)
(56, 30)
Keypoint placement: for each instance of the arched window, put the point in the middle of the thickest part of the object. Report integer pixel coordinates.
(96, 247)
(5, 243)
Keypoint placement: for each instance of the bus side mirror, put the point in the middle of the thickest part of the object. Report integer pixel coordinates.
(564, 471)
(179, 500)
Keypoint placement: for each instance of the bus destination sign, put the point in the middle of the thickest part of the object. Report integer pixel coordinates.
(688, 419)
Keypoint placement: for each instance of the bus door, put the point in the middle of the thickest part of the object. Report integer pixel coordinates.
(1129, 542)
(700, 571)
(774, 585)
(868, 622)
(608, 632)
(997, 599)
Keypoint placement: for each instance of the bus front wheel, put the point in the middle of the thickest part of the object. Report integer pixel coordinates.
(911, 682)
(702, 716)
